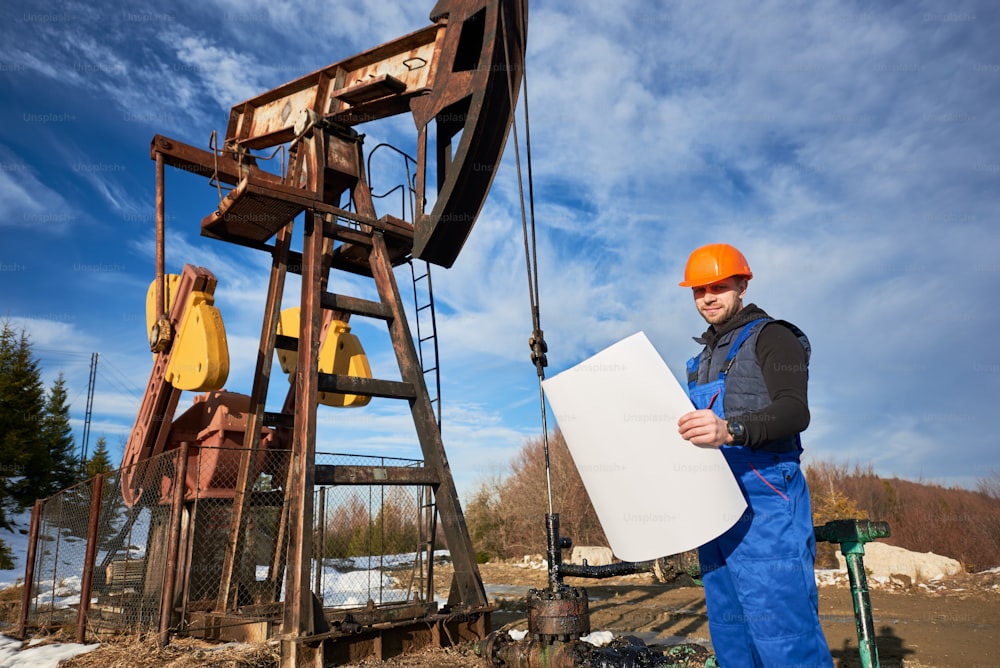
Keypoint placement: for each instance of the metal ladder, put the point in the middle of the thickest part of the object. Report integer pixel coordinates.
(427, 345)
(425, 316)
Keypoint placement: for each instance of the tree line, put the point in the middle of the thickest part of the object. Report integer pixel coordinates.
(38, 454)
(506, 514)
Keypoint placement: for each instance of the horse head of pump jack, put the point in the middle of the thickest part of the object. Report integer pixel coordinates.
(459, 78)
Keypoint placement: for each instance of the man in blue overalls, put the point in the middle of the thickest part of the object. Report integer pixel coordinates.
(749, 386)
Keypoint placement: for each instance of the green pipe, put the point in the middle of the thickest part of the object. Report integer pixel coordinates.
(863, 620)
(851, 535)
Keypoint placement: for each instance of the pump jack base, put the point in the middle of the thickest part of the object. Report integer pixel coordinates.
(352, 643)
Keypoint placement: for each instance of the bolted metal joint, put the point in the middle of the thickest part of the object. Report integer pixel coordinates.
(538, 350)
(161, 335)
(558, 615)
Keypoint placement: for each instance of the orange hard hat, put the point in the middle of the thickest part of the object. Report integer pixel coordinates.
(712, 263)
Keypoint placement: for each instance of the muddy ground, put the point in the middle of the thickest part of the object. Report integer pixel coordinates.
(952, 622)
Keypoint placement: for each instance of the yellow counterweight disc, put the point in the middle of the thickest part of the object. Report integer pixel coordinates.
(199, 358)
(341, 354)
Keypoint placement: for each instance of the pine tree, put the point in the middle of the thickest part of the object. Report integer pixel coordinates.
(6, 557)
(64, 468)
(100, 460)
(22, 403)
(24, 460)
(77, 501)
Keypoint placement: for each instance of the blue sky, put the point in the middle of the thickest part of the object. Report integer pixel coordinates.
(849, 149)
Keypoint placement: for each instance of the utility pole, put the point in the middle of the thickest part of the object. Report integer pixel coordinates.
(90, 407)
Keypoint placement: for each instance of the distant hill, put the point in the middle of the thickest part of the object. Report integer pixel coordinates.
(923, 517)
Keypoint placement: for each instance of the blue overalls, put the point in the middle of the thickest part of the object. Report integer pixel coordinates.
(760, 587)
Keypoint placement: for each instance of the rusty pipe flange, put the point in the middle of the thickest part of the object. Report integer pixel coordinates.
(558, 615)
(495, 648)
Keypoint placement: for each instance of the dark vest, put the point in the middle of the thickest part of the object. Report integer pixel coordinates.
(733, 361)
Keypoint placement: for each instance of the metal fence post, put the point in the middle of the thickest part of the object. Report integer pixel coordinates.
(320, 543)
(29, 570)
(87, 581)
(173, 545)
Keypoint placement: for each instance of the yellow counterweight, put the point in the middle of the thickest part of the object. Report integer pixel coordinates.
(341, 353)
(199, 354)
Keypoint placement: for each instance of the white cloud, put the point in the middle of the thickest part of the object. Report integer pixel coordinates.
(848, 150)
(228, 74)
(26, 202)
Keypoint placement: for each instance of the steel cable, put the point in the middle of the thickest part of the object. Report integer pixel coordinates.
(537, 341)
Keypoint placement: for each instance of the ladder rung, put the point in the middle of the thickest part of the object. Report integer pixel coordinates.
(366, 387)
(425, 307)
(365, 307)
(289, 343)
(294, 264)
(279, 420)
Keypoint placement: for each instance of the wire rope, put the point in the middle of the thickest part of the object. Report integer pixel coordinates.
(528, 226)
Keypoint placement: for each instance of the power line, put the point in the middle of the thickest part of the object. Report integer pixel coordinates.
(123, 382)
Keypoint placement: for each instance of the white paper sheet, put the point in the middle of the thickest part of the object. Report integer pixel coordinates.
(655, 493)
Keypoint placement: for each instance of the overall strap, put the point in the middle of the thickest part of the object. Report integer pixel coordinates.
(734, 347)
(692, 371)
(695, 362)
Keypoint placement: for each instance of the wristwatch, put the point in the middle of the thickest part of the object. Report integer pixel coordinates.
(737, 430)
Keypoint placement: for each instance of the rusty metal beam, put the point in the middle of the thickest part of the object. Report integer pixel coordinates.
(366, 387)
(161, 302)
(383, 640)
(327, 474)
(255, 421)
(188, 158)
(269, 119)
(467, 585)
(355, 305)
(298, 616)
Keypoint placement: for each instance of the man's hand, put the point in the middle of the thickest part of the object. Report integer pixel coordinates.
(703, 428)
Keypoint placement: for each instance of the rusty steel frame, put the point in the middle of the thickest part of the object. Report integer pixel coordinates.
(159, 403)
(459, 78)
(463, 73)
(258, 395)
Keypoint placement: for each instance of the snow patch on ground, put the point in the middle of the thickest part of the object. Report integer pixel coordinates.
(38, 656)
(830, 577)
(598, 638)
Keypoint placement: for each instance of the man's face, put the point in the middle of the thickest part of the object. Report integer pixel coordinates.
(718, 302)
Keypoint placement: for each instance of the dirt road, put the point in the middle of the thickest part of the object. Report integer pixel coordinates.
(937, 625)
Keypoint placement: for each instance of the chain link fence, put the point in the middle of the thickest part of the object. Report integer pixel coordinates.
(61, 549)
(372, 543)
(124, 593)
(155, 546)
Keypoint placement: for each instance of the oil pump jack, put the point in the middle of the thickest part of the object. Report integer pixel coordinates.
(459, 78)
